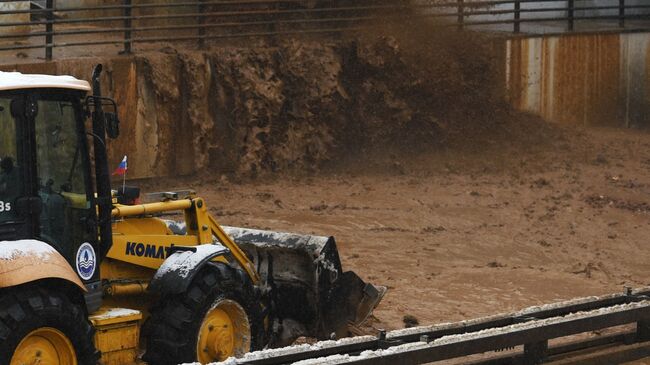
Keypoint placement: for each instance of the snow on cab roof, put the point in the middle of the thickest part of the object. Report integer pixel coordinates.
(17, 80)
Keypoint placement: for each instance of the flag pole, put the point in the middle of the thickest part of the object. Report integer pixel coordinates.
(126, 168)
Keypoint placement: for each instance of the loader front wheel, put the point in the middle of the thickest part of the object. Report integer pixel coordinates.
(39, 326)
(217, 317)
(220, 334)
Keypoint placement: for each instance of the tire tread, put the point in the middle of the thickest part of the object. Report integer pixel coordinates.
(26, 308)
(168, 330)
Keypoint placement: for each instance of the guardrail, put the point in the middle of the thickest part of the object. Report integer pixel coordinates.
(516, 338)
(130, 22)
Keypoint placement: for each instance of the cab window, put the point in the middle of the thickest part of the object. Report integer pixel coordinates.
(11, 185)
(60, 173)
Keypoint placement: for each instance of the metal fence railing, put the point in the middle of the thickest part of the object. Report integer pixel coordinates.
(48, 25)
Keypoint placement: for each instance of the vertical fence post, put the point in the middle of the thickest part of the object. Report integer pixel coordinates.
(201, 24)
(49, 28)
(517, 24)
(128, 26)
(461, 13)
(535, 353)
(571, 7)
(621, 13)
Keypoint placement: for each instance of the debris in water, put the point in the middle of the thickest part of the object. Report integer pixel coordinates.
(410, 321)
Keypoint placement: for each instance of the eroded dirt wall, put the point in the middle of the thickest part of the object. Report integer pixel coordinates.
(294, 106)
(299, 105)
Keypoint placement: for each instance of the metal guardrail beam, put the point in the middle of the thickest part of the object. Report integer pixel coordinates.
(462, 6)
(213, 20)
(49, 27)
(529, 337)
(532, 328)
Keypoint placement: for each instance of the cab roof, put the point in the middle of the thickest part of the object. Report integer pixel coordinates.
(17, 81)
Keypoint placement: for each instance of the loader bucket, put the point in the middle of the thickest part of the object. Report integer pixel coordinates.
(311, 294)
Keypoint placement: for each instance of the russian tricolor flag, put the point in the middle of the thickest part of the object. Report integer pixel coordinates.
(121, 169)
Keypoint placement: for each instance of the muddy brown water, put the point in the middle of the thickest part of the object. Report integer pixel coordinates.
(461, 235)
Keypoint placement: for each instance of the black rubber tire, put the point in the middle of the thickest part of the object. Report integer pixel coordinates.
(27, 308)
(173, 324)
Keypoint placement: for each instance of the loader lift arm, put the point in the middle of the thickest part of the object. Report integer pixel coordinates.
(199, 223)
(299, 277)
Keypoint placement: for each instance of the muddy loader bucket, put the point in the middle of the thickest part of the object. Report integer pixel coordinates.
(311, 294)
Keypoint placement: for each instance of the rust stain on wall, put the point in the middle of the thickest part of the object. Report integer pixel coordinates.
(643, 111)
(547, 66)
(119, 81)
(586, 82)
(518, 66)
(162, 130)
(574, 79)
(123, 88)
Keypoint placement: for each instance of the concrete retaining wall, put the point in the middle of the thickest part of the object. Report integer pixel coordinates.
(155, 146)
(586, 79)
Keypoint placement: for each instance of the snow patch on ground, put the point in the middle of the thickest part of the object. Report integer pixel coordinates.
(265, 354)
(115, 313)
(551, 306)
(10, 250)
(341, 359)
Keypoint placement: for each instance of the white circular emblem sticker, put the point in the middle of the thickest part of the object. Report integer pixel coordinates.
(86, 261)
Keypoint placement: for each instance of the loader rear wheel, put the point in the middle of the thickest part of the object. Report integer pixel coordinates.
(39, 326)
(46, 345)
(217, 317)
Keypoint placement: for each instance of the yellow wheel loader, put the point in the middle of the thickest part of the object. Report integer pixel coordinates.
(89, 274)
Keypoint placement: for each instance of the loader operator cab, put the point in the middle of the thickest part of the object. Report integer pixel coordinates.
(45, 185)
(9, 188)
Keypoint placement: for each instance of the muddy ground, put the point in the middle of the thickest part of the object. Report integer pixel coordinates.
(457, 234)
(401, 144)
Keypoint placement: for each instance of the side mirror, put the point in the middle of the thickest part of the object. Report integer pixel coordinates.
(112, 125)
(106, 107)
